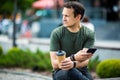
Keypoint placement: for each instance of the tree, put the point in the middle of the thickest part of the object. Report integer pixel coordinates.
(7, 6)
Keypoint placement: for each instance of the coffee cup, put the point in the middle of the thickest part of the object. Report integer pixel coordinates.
(61, 55)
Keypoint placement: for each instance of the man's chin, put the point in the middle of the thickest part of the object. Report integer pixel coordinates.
(65, 25)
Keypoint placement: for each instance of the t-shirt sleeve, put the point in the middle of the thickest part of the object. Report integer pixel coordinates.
(54, 41)
(89, 43)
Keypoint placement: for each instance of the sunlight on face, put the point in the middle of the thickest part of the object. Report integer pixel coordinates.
(68, 17)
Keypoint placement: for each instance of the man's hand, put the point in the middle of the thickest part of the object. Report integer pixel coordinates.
(66, 64)
(82, 55)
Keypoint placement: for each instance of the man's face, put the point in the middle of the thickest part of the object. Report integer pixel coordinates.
(68, 17)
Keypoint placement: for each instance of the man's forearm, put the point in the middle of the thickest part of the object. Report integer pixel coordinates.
(81, 55)
(82, 64)
(55, 64)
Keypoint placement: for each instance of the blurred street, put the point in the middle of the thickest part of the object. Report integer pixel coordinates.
(107, 30)
(32, 23)
(107, 40)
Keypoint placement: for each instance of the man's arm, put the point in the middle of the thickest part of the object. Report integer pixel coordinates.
(68, 64)
(54, 60)
(81, 60)
(82, 64)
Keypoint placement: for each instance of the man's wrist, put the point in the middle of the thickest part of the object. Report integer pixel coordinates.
(72, 57)
(74, 64)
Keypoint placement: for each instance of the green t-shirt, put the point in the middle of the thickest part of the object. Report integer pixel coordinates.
(62, 39)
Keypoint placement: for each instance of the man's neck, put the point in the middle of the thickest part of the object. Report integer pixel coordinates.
(74, 28)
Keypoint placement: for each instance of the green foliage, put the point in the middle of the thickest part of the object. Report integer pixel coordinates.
(109, 68)
(25, 4)
(3, 61)
(19, 58)
(7, 6)
(16, 57)
(1, 50)
(44, 63)
(93, 63)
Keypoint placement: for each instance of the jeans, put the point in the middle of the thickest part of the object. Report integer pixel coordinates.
(72, 74)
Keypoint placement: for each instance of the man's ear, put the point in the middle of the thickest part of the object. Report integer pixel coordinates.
(78, 17)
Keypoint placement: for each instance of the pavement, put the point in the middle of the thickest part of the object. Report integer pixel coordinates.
(6, 74)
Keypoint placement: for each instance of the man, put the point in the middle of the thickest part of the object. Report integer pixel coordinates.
(75, 40)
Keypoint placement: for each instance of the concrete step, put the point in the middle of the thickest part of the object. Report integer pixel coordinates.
(16, 75)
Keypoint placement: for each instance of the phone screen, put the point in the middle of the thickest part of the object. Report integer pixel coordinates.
(91, 50)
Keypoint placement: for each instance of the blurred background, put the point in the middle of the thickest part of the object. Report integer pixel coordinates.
(44, 15)
(28, 24)
(25, 22)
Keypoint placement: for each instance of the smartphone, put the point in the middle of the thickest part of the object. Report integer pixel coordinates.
(91, 50)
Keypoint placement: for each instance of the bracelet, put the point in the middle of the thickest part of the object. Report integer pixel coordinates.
(72, 57)
(74, 64)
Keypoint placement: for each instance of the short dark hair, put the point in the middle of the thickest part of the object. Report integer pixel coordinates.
(77, 7)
